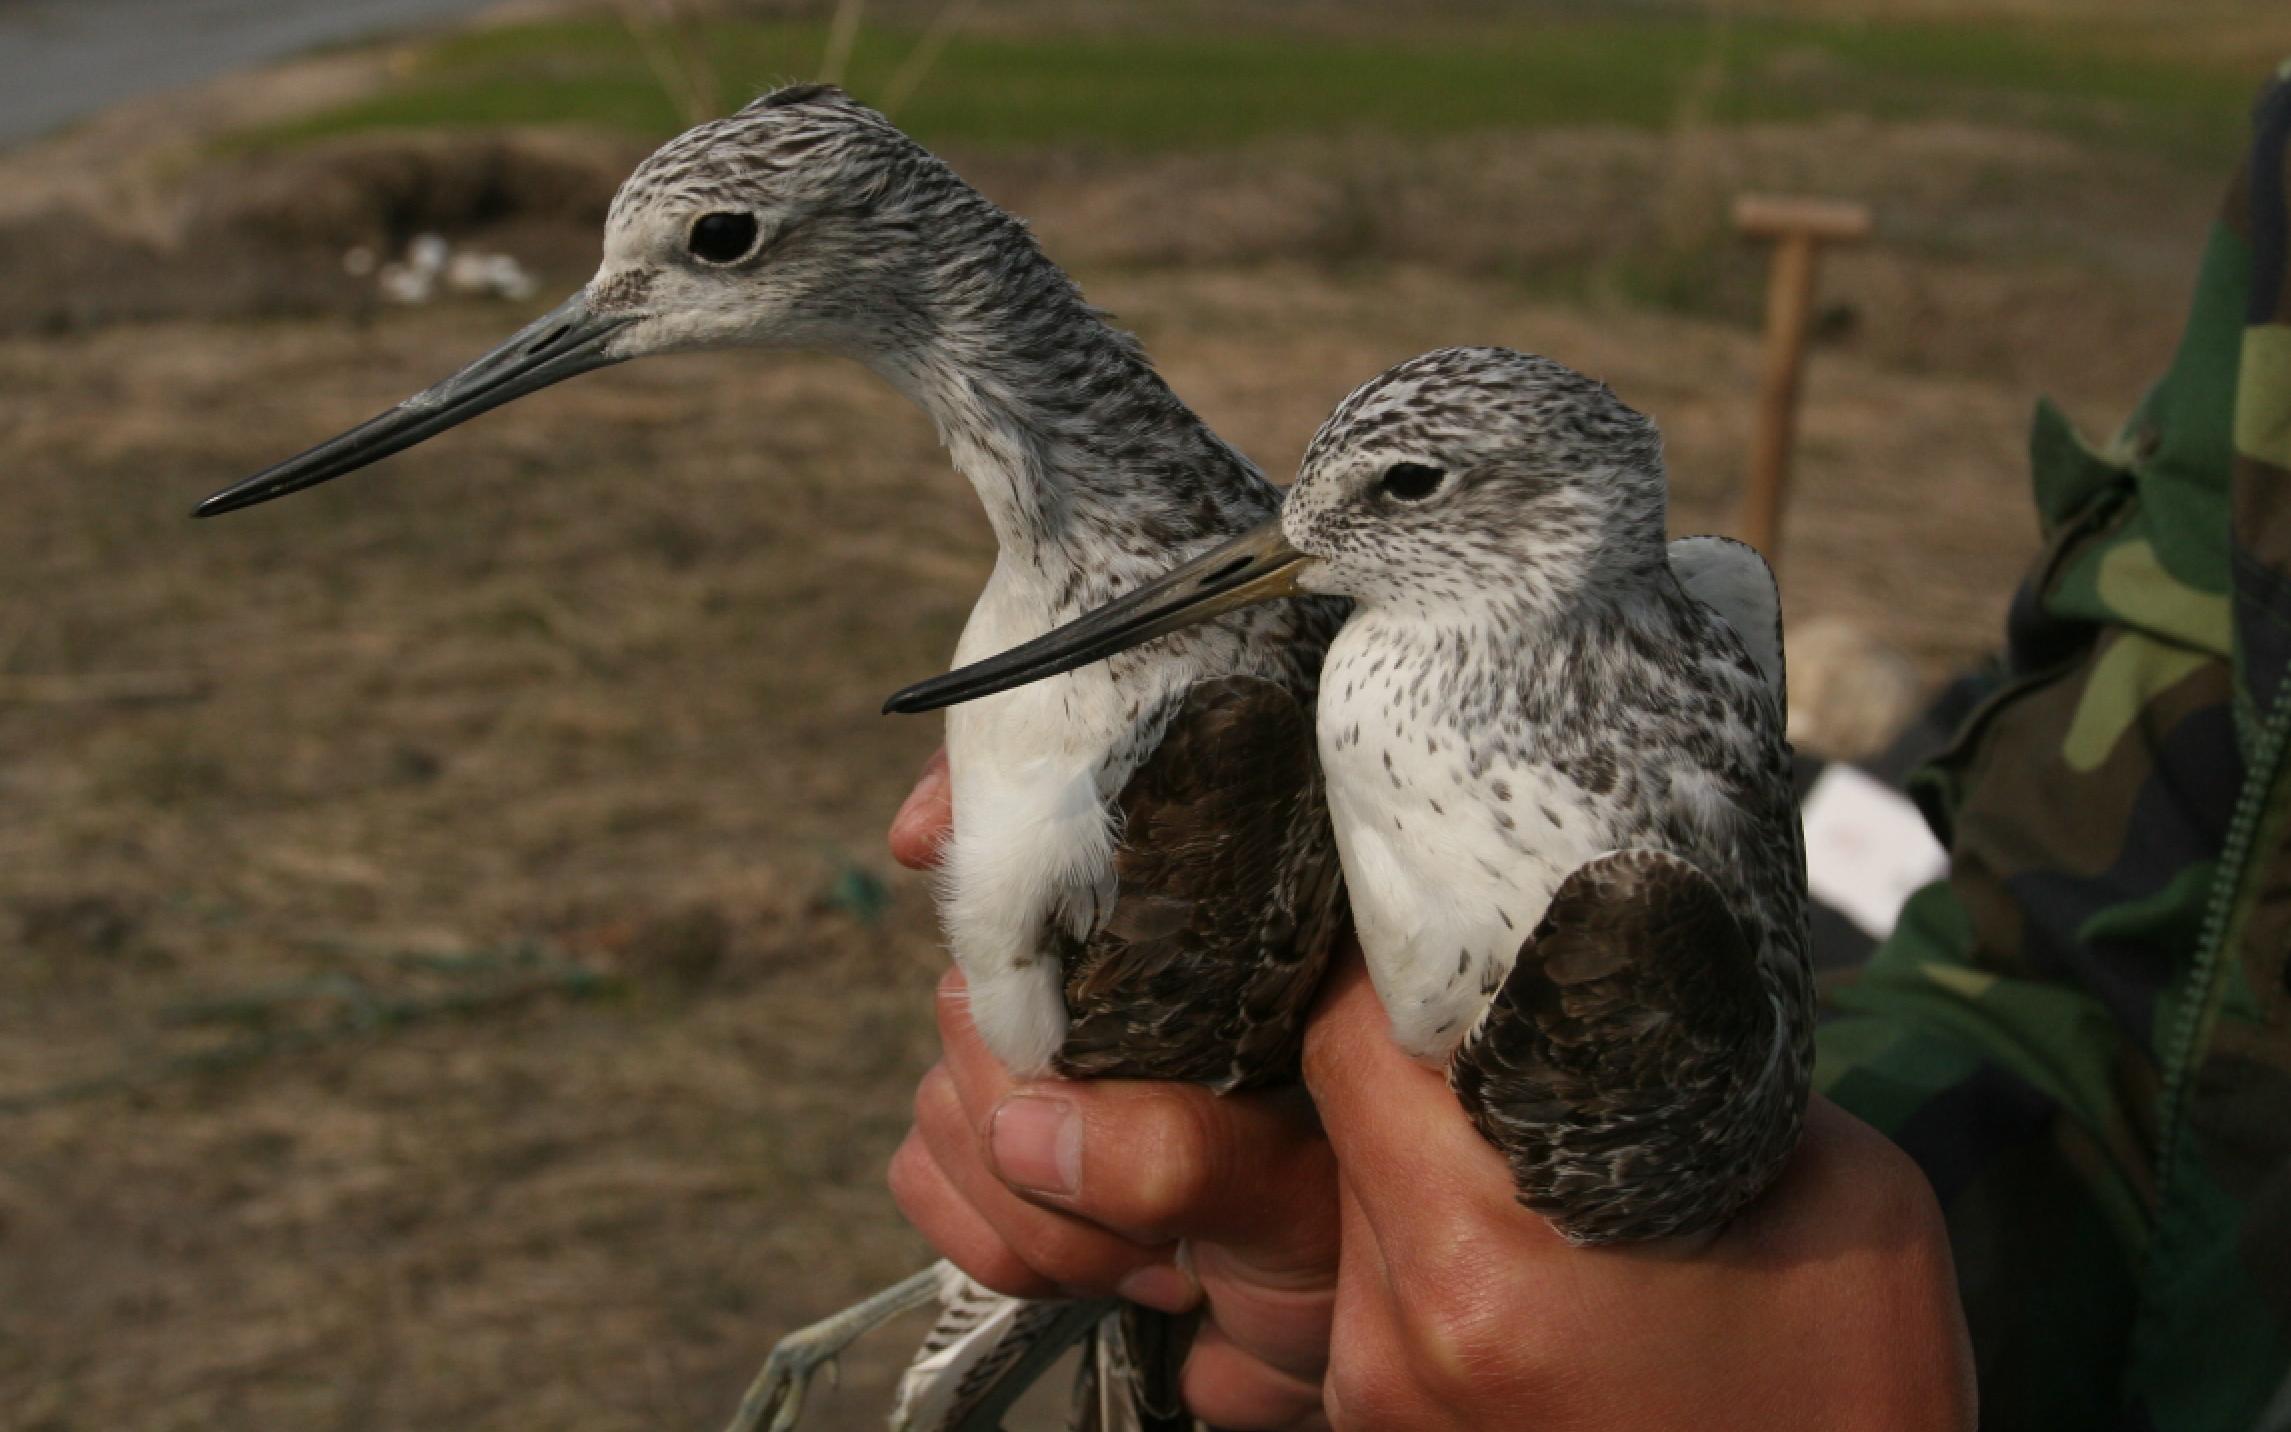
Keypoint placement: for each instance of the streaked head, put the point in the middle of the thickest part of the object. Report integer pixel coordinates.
(1476, 470)
(795, 223)
(1460, 478)
(791, 224)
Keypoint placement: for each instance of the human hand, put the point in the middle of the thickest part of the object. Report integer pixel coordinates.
(1044, 1188)
(1830, 1302)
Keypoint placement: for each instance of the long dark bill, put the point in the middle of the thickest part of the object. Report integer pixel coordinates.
(1257, 566)
(560, 343)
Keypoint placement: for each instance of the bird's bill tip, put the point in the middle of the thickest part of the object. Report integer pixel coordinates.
(1258, 566)
(567, 340)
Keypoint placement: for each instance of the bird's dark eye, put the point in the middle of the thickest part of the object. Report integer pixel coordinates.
(722, 238)
(1411, 481)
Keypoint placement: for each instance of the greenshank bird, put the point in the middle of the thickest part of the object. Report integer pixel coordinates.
(1120, 902)
(1554, 755)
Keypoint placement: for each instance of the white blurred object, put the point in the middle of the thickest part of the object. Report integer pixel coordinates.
(432, 266)
(415, 280)
(403, 283)
(1867, 848)
(1851, 692)
(428, 252)
(494, 275)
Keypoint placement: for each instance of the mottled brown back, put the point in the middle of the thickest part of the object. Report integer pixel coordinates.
(1228, 900)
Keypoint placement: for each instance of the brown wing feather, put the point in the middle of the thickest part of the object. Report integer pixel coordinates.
(1628, 1068)
(1228, 897)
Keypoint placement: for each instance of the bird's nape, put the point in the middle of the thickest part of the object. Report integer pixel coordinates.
(1258, 566)
(568, 340)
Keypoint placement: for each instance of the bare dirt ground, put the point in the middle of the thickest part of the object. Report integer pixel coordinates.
(451, 976)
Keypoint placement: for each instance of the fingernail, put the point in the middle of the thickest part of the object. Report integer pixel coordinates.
(1161, 1287)
(1037, 1143)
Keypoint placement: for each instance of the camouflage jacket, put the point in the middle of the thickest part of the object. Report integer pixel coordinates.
(2084, 1033)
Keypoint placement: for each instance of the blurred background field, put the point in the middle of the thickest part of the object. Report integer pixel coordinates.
(449, 973)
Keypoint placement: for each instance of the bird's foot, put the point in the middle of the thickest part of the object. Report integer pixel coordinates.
(774, 1402)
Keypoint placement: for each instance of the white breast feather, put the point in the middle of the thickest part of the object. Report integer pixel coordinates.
(1034, 838)
(1443, 901)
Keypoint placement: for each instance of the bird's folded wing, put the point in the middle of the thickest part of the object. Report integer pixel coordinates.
(1731, 579)
(1228, 896)
(1619, 1068)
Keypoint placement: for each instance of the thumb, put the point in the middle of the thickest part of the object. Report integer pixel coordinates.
(1156, 1161)
(926, 818)
(1409, 1154)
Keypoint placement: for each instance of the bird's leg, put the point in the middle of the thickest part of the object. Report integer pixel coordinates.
(775, 1398)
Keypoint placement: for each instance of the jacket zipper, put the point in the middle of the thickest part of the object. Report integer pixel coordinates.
(2235, 854)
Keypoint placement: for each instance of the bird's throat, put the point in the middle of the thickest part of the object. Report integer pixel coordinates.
(1090, 470)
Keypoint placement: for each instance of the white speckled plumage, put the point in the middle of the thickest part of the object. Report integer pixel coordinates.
(1525, 688)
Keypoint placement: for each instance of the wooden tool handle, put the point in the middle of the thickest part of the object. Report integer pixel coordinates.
(1830, 221)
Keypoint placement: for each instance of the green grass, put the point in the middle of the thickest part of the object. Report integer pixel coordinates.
(1191, 91)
